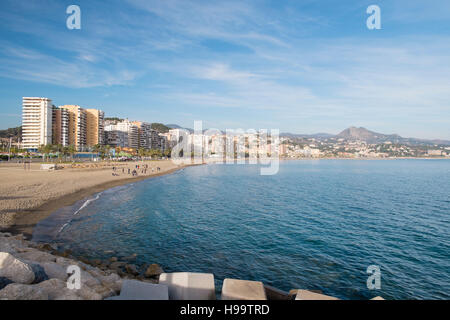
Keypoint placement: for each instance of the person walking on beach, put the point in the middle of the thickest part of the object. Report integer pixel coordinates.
(128, 170)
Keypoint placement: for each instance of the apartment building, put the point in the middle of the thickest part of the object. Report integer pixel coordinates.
(77, 126)
(60, 127)
(144, 134)
(37, 114)
(123, 134)
(115, 138)
(94, 127)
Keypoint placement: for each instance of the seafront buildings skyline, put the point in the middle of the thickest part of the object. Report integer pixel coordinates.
(44, 123)
(85, 129)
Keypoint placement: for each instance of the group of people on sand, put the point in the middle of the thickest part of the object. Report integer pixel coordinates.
(142, 168)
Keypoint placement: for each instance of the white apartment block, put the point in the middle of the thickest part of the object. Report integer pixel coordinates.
(37, 116)
(123, 134)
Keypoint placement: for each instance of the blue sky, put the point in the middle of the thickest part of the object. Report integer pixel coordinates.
(301, 66)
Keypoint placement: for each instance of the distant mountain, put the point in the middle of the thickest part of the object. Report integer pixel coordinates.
(175, 126)
(362, 134)
(161, 128)
(11, 133)
(368, 136)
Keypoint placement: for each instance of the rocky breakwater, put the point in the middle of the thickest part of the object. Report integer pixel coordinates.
(30, 271)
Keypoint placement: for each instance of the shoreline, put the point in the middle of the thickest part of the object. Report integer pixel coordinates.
(25, 220)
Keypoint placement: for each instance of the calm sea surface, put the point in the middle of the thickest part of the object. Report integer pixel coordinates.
(314, 225)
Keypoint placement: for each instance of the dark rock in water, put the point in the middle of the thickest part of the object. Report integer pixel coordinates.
(117, 265)
(47, 247)
(96, 262)
(65, 254)
(128, 258)
(39, 273)
(132, 269)
(4, 282)
(121, 273)
(153, 270)
(103, 266)
(84, 260)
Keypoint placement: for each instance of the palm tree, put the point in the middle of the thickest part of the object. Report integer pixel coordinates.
(45, 150)
(71, 150)
(97, 149)
(106, 150)
(141, 152)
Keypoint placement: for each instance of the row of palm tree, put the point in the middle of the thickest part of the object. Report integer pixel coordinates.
(153, 153)
(62, 151)
(104, 151)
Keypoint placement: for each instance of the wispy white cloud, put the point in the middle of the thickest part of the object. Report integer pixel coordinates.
(288, 71)
(30, 65)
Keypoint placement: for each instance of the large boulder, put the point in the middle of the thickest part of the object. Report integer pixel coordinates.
(53, 289)
(153, 270)
(17, 291)
(57, 290)
(15, 269)
(112, 281)
(36, 256)
(88, 279)
(132, 269)
(117, 265)
(55, 271)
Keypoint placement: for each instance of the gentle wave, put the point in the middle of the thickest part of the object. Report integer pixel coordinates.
(84, 205)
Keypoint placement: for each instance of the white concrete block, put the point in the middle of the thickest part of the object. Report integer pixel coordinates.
(139, 290)
(234, 289)
(189, 285)
(309, 295)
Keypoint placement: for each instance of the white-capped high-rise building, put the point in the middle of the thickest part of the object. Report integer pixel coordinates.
(122, 134)
(37, 116)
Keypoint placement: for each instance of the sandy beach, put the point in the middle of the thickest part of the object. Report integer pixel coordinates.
(27, 196)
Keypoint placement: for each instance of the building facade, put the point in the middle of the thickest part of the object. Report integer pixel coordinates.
(94, 127)
(60, 127)
(77, 126)
(37, 114)
(123, 134)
